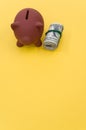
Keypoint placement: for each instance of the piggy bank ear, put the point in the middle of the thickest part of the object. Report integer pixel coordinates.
(39, 25)
(14, 25)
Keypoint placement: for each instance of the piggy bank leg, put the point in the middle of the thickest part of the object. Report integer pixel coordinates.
(39, 43)
(19, 44)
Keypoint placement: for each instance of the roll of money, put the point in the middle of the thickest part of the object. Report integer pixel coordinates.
(53, 36)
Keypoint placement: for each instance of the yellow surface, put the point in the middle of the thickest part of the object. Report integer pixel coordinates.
(41, 89)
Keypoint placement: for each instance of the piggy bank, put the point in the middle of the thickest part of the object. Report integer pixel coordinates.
(28, 27)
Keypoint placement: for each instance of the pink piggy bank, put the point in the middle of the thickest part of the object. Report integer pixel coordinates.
(28, 27)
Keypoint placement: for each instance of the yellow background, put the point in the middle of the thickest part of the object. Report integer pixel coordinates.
(41, 89)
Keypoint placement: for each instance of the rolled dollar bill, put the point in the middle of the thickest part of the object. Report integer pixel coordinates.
(53, 36)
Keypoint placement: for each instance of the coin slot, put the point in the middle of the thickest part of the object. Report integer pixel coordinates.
(27, 15)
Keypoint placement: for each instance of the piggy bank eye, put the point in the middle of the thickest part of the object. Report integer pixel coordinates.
(27, 15)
